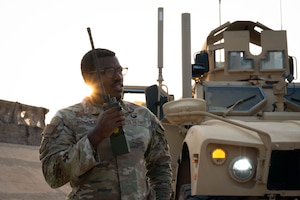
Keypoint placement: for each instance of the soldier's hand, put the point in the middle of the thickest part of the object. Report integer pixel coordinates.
(106, 123)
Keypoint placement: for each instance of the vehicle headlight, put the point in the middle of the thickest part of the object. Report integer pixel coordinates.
(241, 169)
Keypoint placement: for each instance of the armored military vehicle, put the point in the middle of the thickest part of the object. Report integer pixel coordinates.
(237, 136)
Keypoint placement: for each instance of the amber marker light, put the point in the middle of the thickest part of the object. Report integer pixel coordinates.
(195, 158)
(218, 156)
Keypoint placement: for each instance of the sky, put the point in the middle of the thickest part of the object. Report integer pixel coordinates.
(42, 41)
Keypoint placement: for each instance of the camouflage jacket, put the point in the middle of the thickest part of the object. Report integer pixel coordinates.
(68, 156)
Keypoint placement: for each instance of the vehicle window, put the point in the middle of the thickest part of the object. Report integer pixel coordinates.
(137, 98)
(274, 61)
(219, 58)
(237, 60)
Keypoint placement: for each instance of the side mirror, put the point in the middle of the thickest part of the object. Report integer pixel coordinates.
(152, 102)
(201, 65)
(290, 77)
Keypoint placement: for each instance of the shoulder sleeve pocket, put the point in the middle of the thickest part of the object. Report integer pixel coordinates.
(50, 131)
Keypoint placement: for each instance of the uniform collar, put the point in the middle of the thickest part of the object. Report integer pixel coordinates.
(88, 107)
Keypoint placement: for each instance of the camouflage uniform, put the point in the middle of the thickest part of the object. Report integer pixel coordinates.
(68, 156)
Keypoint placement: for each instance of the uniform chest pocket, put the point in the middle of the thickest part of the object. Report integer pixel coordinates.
(138, 137)
(82, 127)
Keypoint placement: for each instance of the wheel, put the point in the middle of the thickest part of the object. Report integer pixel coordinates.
(185, 193)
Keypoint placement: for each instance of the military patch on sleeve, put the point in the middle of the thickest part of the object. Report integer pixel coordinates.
(55, 120)
(49, 129)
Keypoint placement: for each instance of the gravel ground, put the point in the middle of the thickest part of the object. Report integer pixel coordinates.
(21, 175)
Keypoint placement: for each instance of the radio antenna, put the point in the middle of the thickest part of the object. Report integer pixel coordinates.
(104, 95)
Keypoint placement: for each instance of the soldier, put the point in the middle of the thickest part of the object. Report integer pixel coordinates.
(76, 144)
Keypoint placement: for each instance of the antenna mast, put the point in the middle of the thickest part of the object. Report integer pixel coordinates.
(160, 45)
(219, 12)
(280, 15)
(160, 53)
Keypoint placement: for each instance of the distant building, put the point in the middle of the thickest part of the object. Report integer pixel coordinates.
(20, 123)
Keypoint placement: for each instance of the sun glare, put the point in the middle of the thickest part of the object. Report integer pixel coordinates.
(88, 90)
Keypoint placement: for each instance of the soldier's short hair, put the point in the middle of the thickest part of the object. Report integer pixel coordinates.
(88, 61)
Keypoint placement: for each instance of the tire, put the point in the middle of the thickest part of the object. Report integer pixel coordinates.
(185, 193)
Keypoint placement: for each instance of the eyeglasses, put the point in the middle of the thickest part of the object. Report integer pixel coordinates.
(110, 72)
